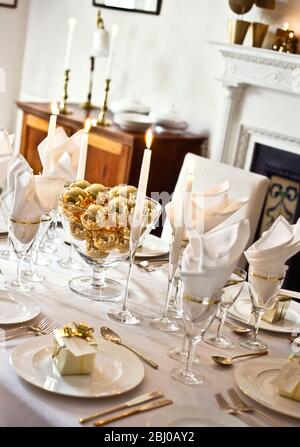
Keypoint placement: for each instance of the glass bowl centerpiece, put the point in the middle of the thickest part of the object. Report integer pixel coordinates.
(98, 220)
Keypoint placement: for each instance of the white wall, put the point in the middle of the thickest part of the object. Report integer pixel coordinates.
(162, 60)
(12, 37)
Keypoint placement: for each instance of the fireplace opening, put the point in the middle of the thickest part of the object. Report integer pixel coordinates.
(283, 198)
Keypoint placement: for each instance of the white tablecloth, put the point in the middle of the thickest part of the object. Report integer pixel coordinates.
(21, 404)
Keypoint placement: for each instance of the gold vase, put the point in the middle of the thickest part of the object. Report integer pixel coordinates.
(259, 32)
(237, 30)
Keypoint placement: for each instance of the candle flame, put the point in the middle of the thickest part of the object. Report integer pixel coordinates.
(149, 138)
(72, 23)
(286, 26)
(291, 35)
(54, 108)
(94, 122)
(87, 125)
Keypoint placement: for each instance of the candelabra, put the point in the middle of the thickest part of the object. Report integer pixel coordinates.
(63, 104)
(102, 119)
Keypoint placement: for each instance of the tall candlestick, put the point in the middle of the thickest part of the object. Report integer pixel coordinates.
(72, 26)
(114, 33)
(51, 138)
(84, 150)
(138, 216)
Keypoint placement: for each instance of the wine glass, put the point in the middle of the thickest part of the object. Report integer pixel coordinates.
(69, 263)
(264, 288)
(32, 274)
(231, 292)
(22, 235)
(125, 316)
(6, 254)
(198, 313)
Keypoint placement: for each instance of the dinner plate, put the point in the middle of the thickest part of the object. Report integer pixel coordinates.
(153, 246)
(17, 308)
(255, 379)
(241, 311)
(117, 370)
(200, 416)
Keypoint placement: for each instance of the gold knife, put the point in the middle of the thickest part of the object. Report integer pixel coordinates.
(141, 409)
(131, 403)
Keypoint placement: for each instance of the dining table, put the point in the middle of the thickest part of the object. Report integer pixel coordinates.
(24, 405)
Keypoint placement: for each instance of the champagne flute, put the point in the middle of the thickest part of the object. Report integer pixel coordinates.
(231, 292)
(198, 313)
(22, 235)
(264, 288)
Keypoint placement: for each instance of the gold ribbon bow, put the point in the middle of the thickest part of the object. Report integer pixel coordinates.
(80, 330)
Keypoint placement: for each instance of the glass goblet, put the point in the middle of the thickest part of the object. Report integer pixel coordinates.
(22, 235)
(231, 292)
(198, 313)
(32, 274)
(264, 288)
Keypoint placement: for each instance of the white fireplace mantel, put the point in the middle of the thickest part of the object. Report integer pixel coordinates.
(246, 66)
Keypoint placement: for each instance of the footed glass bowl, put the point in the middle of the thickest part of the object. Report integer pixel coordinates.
(98, 221)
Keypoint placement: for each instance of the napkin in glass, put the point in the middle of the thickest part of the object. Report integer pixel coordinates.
(209, 259)
(65, 154)
(29, 197)
(275, 247)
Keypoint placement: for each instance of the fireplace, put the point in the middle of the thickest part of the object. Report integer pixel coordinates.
(283, 198)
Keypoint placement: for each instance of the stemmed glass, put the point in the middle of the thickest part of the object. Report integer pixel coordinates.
(22, 235)
(231, 292)
(69, 263)
(125, 316)
(32, 274)
(6, 254)
(264, 288)
(198, 313)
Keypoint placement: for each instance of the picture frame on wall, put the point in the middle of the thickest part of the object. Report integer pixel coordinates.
(142, 6)
(8, 3)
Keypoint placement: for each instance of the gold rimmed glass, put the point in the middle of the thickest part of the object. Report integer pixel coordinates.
(264, 288)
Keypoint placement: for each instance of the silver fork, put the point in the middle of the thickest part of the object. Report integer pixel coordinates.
(44, 327)
(245, 408)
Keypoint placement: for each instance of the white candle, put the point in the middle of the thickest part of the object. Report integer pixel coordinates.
(51, 138)
(114, 33)
(72, 26)
(137, 221)
(84, 150)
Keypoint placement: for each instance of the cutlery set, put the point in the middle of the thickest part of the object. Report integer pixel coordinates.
(239, 406)
(44, 327)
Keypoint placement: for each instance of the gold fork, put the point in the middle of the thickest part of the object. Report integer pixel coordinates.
(44, 327)
(224, 405)
(245, 408)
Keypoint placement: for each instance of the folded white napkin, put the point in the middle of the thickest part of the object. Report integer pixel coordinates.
(209, 259)
(29, 197)
(209, 208)
(275, 247)
(6, 153)
(65, 154)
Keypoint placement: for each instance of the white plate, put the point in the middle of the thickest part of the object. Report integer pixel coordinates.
(17, 308)
(117, 370)
(255, 380)
(185, 416)
(241, 311)
(153, 246)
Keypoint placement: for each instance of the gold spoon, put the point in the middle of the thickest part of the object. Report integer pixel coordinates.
(241, 330)
(111, 336)
(227, 361)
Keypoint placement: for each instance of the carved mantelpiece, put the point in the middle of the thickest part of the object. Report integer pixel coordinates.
(247, 66)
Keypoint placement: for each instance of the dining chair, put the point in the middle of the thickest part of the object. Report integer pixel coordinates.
(208, 173)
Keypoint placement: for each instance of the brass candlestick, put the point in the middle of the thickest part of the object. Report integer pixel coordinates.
(88, 104)
(63, 105)
(102, 120)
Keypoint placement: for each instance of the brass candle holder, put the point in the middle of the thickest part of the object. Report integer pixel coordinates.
(88, 104)
(102, 119)
(63, 104)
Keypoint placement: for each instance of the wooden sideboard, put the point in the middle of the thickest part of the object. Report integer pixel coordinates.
(114, 156)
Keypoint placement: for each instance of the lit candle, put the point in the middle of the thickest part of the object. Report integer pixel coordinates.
(114, 33)
(72, 26)
(51, 138)
(137, 221)
(286, 26)
(84, 150)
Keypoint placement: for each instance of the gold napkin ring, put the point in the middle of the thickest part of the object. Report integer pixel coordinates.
(268, 278)
(23, 222)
